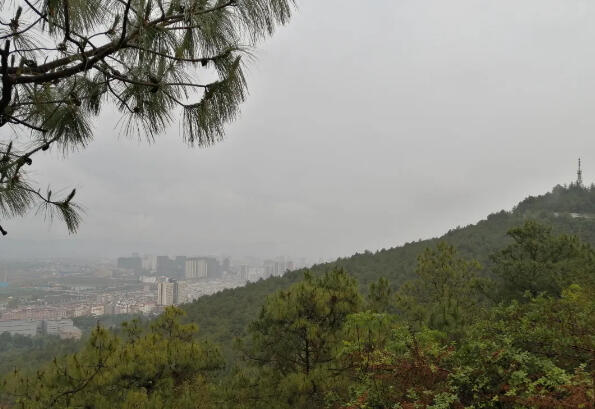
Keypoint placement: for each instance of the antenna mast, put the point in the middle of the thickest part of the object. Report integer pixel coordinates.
(579, 174)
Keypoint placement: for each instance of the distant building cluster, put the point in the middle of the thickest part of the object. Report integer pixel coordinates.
(52, 312)
(269, 268)
(34, 312)
(276, 268)
(63, 328)
(182, 279)
(178, 267)
(205, 267)
(135, 285)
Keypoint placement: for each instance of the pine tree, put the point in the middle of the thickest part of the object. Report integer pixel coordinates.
(293, 342)
(62, 61)
(157, 367)
(539, 261)
(380, 295)
(445, 293)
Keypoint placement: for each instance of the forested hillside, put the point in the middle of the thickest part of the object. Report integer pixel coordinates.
(225, 315)
(562, 199)
(23, 352)
(520, 337)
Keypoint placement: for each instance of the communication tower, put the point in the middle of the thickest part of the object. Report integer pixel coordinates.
(579, 174)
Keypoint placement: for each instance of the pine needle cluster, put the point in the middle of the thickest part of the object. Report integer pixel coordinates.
(61, 61)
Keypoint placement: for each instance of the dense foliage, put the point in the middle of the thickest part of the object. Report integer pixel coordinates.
(146, 367)
(538, 261)
(440, 342)
(563, 199)
(512, 328)
(19, 351)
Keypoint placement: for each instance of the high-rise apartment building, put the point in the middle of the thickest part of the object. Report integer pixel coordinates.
(149, 263)
(21, 327)
(277, 268)
(180, 292)
(243, 272)
(130, 263)
(180, 265)
(214, 267)
(196, 268)
(226, 266)
(165, 293)
(164, 265)
(171, 292)
(65, 329)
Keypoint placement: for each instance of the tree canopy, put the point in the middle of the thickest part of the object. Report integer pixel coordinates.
(226, 315)
(150, 367)
(539, 261)
(317, 345)
(62, 61)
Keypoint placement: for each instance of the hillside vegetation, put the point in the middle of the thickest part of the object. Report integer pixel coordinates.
(519, 334)
(225, 316)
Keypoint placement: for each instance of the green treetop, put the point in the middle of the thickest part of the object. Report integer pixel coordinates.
(293, 341)
(539, 261)
(445, 293)
(157, 367)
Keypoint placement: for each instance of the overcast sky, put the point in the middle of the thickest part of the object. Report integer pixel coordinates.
(369, 124)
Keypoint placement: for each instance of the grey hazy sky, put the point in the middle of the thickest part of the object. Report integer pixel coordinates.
(369, 124)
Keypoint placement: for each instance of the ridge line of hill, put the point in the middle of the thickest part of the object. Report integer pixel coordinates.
(225, 315)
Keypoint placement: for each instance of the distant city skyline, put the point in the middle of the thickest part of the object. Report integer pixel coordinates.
(130, 285)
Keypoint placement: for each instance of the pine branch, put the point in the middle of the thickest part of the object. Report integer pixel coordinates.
(145, 61)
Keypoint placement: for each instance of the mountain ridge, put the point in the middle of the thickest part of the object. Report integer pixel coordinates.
(225, 315)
